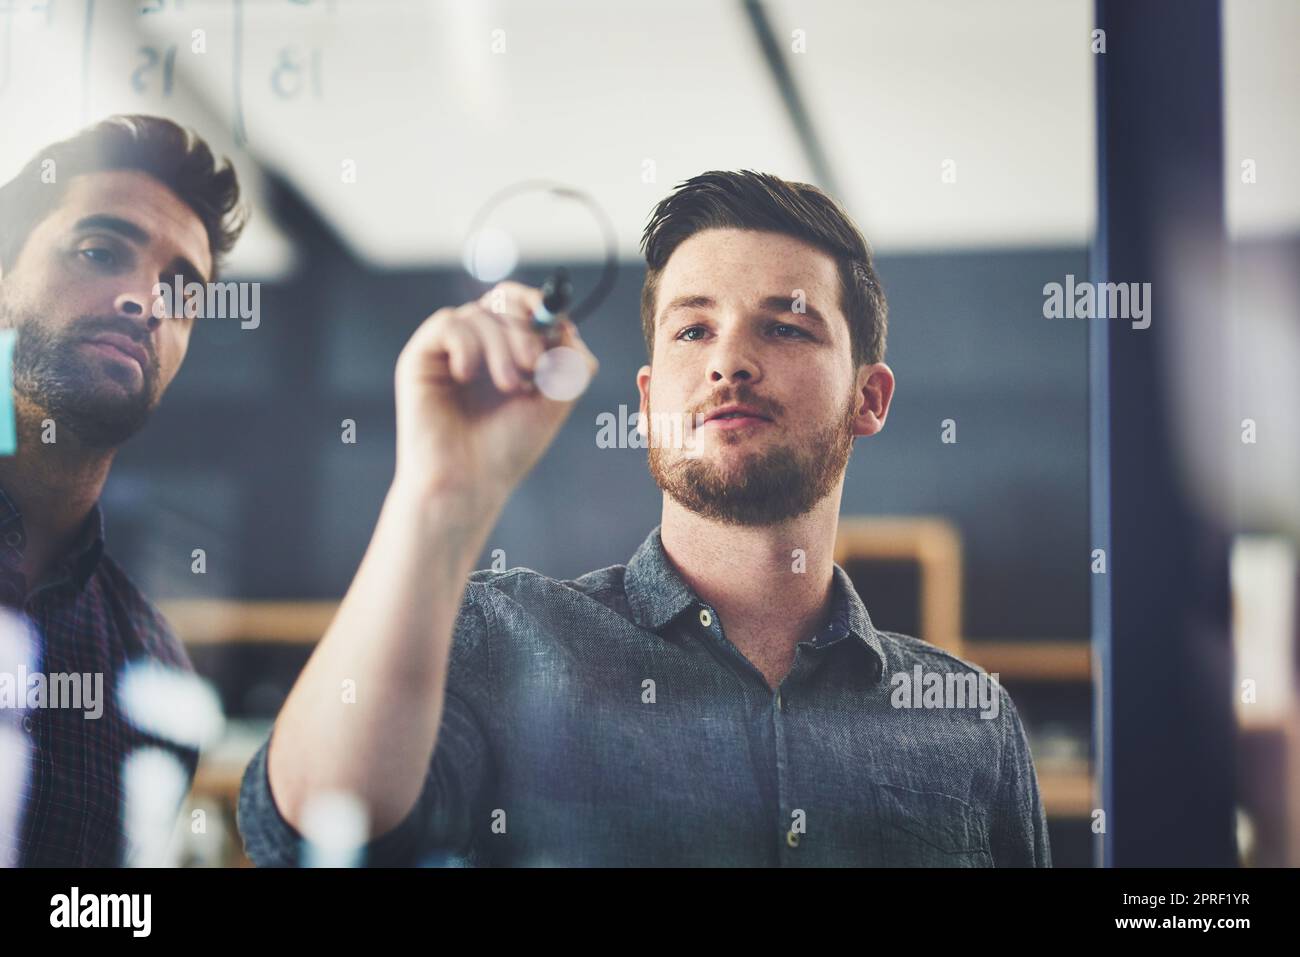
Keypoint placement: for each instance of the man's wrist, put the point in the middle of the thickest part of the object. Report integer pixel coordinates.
(432, 502)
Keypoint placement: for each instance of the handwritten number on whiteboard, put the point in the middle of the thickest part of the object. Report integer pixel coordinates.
(151, 58)
(287, 77)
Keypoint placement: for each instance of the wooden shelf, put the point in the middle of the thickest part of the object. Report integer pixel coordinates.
(1066, 793)
(1064, 660)
(934, 545)
(209, 622)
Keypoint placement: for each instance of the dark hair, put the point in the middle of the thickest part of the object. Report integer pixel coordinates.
(761, 201)
(176, 157)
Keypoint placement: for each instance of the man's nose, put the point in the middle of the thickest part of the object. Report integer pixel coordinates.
(738, 373)
(138, 308)
(733, 360)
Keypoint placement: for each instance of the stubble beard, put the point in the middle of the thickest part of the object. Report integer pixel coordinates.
(53, 378)
(758, 488)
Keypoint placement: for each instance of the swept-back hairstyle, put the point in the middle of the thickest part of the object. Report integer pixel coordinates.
(761, 201)
(178, 158)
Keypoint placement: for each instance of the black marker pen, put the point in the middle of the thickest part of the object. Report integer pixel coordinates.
(557, 294)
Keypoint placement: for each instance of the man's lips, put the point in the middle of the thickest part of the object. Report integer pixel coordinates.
(737, 422)
(735, 416)
(119, 346)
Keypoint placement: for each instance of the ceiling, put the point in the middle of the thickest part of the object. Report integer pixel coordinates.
(397, 120)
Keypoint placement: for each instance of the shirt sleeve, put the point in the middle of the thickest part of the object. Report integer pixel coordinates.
(1020, 824)
(455, 785)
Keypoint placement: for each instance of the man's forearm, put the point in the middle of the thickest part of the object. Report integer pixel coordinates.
(391, 636)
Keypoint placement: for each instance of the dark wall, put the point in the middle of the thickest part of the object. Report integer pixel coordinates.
(244, 458)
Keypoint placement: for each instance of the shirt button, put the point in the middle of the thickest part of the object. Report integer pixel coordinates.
(792, 838)
(27, 723)
(779, 705)
(14, 539)
(706, 617)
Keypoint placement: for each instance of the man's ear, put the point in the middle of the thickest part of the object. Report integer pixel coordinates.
(875, 392)
(643, 387)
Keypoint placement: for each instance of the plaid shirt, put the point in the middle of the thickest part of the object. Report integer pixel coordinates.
(88, 618)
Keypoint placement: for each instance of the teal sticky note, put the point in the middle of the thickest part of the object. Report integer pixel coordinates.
(8, 434)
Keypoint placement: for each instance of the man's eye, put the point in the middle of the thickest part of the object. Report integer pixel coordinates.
(100, 255)
(797, 332)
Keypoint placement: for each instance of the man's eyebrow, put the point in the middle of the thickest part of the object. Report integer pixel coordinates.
(785, 304)
(138, 235)
(780, 304)
(188, 270)
(695, 301)
(113, 224)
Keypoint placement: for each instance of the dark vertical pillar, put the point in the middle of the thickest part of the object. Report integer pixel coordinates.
(1161, 627)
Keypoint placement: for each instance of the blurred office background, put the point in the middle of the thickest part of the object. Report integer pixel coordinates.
(961, 136)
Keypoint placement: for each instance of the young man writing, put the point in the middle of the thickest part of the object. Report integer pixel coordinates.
(723, 699)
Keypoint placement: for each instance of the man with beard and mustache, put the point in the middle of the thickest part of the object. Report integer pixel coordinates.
(131, 203)
(721, 699)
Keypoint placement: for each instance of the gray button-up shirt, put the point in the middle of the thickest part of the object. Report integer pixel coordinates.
(608, 721)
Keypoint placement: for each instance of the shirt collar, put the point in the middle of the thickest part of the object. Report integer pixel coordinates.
(81, 558)
(84, 555)
(657, 594)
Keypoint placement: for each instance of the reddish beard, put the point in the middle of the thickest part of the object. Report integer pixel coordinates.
(763, 487)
